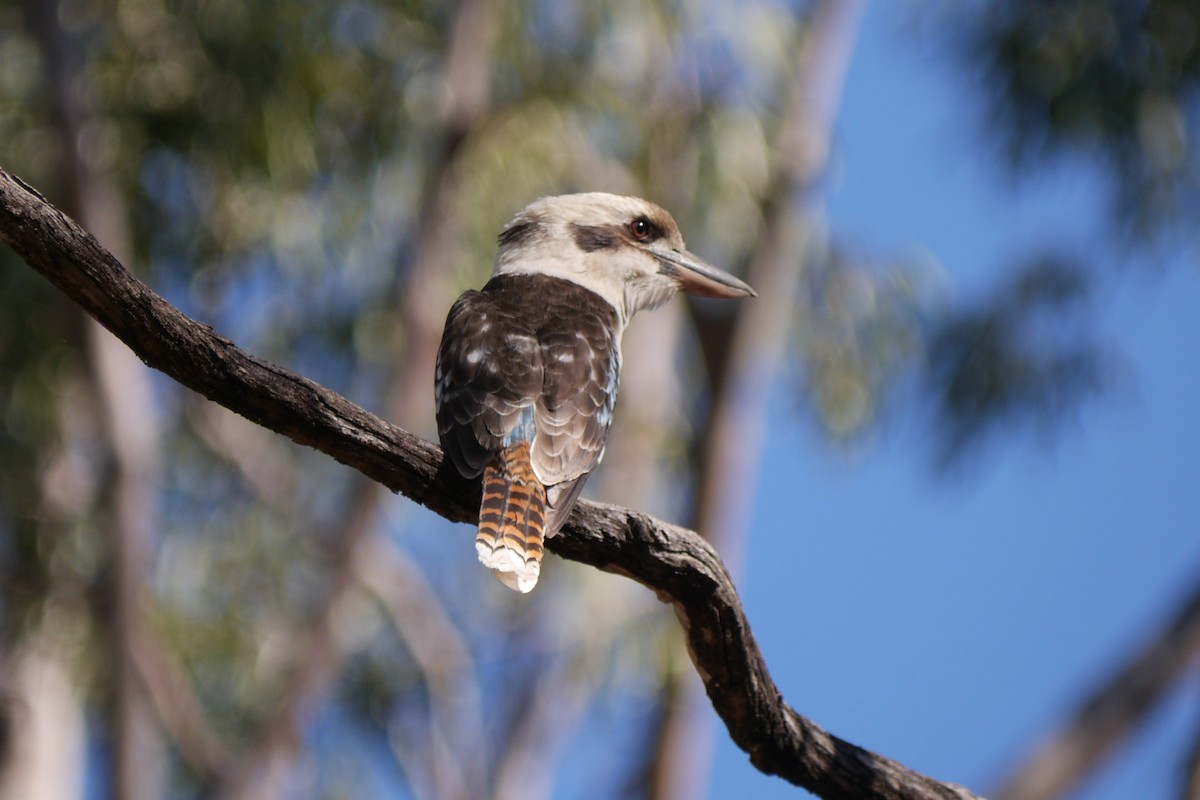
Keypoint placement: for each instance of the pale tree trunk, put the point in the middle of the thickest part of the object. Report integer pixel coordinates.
(44, 717)
(121, 384)
(748, 361)
(138, 756)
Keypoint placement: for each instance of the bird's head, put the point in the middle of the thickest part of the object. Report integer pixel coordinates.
(625, 249)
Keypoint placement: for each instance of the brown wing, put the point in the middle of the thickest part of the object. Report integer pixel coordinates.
(488, 377)
(582, 363)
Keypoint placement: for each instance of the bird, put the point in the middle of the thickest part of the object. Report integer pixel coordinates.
(528, 366)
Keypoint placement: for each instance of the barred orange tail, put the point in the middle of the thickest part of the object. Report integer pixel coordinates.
(512, 519)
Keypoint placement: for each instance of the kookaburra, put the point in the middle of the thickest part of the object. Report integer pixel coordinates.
(528, 367)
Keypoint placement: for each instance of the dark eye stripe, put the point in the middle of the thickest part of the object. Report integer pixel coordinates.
(590, 238)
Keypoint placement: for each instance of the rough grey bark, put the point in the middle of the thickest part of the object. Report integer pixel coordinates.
(677, 564)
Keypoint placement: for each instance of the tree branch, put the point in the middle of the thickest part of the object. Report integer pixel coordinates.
(677, 564)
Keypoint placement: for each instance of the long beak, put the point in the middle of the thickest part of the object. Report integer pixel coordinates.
(696, 276)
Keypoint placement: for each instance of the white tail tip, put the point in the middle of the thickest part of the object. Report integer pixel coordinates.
(509, 567)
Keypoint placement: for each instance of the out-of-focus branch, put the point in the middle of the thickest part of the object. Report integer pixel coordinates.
(260, 459)
(456, 710)
(176, 705)
(677, 564)
(261, 769)
(1191, 782)
(429, 289)
(1111, 713)
(742, 367)
(539, 735)
(751, 359)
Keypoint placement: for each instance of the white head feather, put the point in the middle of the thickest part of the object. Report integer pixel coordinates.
(625, 249)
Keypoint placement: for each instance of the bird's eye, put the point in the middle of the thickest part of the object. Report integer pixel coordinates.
(640, 228)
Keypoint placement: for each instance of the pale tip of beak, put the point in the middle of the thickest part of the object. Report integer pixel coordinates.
(698, 277)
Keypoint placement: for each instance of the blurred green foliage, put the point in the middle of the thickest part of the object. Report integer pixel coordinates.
(1112, 80)
(1017, 356)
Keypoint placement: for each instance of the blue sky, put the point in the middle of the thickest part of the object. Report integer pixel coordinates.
(948, 623)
